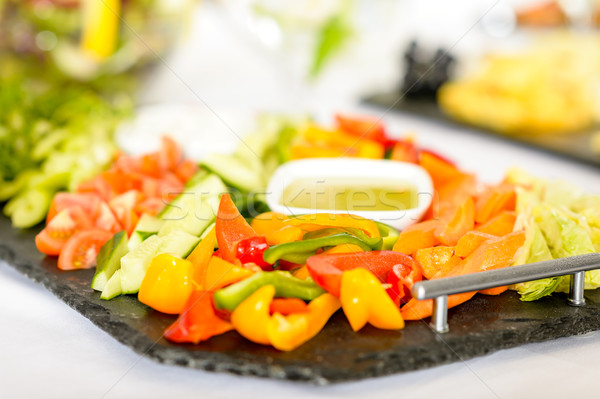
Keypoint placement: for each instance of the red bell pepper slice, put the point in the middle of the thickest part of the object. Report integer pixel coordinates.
(231, 228)
(401, 279)
(198, 321)
(404, 151)
(250, 250)
(326, 270)
(364, 127)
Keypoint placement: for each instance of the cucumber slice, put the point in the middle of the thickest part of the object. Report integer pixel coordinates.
(113, 287)
(135, 263)
(235, 171)
(146, 226)
(208, 186)
(145, 234)
(109, 260)
(199, 217)
(149, 223)
(178, 243)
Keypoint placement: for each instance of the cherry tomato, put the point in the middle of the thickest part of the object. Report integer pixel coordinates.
(81, 249)
(67, 222)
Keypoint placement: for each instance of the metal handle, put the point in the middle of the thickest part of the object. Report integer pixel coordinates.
(440, 288)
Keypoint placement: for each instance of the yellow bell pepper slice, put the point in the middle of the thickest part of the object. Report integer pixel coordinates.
(220, 273)
(306, 150)
(344, 249)
(301, 272)
(284, 234)
(289, 332)
(251, 317)
(317, 221)
(267, 222)
(364, 300)
(369, 149)
(167, 284)
(101, 20)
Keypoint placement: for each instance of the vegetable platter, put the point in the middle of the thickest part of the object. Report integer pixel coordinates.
(313, 297)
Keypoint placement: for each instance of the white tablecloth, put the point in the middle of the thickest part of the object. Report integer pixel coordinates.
(49, 350)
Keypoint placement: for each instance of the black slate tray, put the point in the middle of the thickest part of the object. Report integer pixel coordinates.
(480, 326)
(574, 146)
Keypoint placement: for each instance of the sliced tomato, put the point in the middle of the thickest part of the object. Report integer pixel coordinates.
(150, 187)
(150, 165)
(121, 182)
(97, 186)
(170, 154)
(170, 187)
(106, 219)
(123, 207)
(81, 249)
(125, 202)
(67, 222)
(88, 202)
(151, 206)
(127, 165)
(49, 245)
(186, 170)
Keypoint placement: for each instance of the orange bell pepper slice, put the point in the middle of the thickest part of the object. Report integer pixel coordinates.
(434, 259)
(220, 273)
(200, 257)
(287, 306)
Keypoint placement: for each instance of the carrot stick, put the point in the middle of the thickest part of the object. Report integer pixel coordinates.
(494, 291)
(456, 224)
(416, 310)
(417, 236)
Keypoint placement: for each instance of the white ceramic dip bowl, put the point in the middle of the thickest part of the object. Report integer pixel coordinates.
(322, 170)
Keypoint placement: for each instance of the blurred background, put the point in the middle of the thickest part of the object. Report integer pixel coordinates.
(74, 71)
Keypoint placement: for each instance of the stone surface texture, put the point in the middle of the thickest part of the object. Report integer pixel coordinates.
(480, 326)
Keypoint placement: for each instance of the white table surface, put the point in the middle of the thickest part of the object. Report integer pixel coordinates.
(49, 350)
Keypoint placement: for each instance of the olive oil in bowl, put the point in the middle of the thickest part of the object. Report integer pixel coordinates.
(390, 192)
(351, 194)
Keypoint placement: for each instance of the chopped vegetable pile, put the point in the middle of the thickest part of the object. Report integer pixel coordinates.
(193, 242)
(79, 223)
(50, 142)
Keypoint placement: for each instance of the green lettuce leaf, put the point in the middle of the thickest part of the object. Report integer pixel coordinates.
(559, 221)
